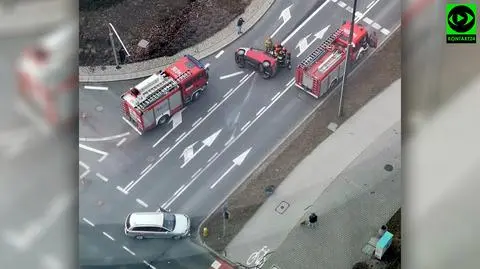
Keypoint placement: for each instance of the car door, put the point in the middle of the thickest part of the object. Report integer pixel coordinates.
(158, 232)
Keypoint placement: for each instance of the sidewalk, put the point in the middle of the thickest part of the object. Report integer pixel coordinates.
(253, 13)
(370, 137)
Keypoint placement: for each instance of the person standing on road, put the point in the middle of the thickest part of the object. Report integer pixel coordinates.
(239, 25)
(312, 220)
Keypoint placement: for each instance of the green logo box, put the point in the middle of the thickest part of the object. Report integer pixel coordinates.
(461, 23)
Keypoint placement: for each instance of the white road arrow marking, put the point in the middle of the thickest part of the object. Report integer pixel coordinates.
(188, 153)
(176, 120)
(285, 16)
(207, 142)
(236, 162)
(303, 44)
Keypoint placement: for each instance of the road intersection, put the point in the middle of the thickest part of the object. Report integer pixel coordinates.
(235, 124)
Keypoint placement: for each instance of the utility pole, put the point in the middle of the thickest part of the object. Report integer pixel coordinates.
(112, 42)
(347, 60)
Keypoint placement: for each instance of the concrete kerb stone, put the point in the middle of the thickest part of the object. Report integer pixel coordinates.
(278, 149)
(253, 13)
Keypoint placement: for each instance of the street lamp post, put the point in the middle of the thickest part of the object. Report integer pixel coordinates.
(112, 42)
(347, 60)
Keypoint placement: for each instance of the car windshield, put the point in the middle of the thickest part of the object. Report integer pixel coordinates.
(169, 221)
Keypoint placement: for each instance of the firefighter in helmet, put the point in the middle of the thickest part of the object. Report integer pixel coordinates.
(278, 49)
(281, 55)
(269, 45)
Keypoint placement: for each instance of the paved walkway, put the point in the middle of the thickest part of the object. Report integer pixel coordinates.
(374, 128)
(253, 13)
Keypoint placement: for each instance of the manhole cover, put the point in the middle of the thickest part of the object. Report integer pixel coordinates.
(388, 167)
(99, 108)
(282, 207)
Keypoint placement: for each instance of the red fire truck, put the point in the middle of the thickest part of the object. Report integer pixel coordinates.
(153, 101)
(323, 68)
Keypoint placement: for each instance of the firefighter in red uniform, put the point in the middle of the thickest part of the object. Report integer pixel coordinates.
(278, 49)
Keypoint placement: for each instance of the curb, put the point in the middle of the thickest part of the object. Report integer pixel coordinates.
(253, 13)
(291, 134)
(25, 19)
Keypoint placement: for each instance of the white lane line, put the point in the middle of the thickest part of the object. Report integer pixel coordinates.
(180, 137)
(245, 126)
(376, 26)
(163, 153)
(128, 250)
(109, 236)
(341, 4)
(304, 23)
(244, 77)
(371, 4)
(121, 142)
(142, 203)
(349, 9)
(219, 54)
(207, 65)
(260, 110)
(149, 265)
(122, 190)
(107, 138)
(88, 222)
(196, 122)
(275, 96)
(131, 125)
(102, 177)
(87, 170)
(212, 107)
(84, 165)
(189, 132)
(145, 169)
(98, 88)
(231, 75)
(194, 175)
(105, 154)
(130, 183)
(211, 158)
(179, 189)
(228, 93)
(229, 141)
(367, 20)
(385, 31)
(334, 1)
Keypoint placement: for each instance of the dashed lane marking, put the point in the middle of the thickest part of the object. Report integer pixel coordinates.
(121, 142)
(142, 203)
(149, 265)
(385, 31)
(100, 176)
(368, 20)
(219, 54)
(376, 26)
(88, 222)
(109, 236)
(341, 4)
(128, 250)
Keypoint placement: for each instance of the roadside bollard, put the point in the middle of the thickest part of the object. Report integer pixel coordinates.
(205, 232)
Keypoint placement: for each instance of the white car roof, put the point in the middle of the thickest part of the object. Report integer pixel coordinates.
(146, 219)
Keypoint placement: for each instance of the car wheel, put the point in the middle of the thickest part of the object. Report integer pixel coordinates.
(265, 69)
(139, 237)
(163, 119)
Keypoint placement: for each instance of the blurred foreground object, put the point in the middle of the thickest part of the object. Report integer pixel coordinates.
(48, 80)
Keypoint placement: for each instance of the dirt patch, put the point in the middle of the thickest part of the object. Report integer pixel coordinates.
(169, 26)
(375, 75)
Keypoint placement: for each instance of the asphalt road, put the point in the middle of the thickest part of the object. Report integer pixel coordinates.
(252, 117)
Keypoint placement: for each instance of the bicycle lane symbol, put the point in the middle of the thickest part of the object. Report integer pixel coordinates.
(258, 258)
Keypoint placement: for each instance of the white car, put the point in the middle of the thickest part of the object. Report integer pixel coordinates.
(157, 225)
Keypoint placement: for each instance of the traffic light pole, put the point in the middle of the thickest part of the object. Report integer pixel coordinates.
(347, 60)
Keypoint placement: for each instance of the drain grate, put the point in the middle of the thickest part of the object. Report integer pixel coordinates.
(282, 207)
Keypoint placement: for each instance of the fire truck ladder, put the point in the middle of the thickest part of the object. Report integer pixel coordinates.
(154, 93)
(321, 50)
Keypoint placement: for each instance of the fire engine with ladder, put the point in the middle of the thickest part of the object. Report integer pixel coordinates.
(323, 68)
(153, 101)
